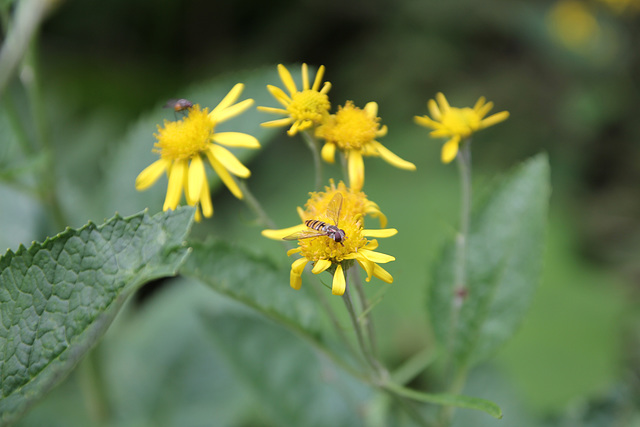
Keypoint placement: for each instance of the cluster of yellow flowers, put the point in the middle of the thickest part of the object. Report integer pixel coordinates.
(332, 233)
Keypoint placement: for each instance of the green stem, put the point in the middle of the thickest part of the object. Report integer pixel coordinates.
(93, 387)
(345, 169)
(255, 205)
(414, 366)
(457, 375)
(366, 351)
(312, 143)
(30, 77)
(364, 304)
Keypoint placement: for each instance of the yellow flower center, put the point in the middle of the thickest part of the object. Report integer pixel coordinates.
(309, 105)
(461, 121)
(350, 221)
(350, 128)
(187, 137)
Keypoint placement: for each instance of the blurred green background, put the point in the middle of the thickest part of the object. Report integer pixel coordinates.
(567, 71)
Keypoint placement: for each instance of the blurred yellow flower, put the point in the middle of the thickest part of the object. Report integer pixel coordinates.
(457, 123)
(181, 145)
(304, 109)
(325, 252)
(354, 131)
(573, 24)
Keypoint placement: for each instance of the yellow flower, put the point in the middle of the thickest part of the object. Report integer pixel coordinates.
(354, 131)
(181, 145)
(457, 123)
(306, 108)
(324, 252)
(573, 24)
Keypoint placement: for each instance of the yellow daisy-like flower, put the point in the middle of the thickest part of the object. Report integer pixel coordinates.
(181, 145)
(573, 24)
(324, 252)
(306, 108)
(457, 123)
(354, 131)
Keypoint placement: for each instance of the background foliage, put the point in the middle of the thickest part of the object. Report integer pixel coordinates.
(103, 80)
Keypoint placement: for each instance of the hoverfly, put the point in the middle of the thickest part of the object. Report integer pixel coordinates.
(319, 228)
(178, 105)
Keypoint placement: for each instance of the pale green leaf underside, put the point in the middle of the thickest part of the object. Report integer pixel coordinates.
(254, 281)
(58, 297)
(504, 259)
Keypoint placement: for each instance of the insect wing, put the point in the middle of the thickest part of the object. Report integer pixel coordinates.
(334, 208)
(304, 234)
(178, 104)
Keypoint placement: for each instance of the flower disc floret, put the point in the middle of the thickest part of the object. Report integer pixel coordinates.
(457, 124)
(185, 138)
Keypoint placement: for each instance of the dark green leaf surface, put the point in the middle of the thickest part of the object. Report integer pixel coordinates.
(295, 385)
(58, 297)
(253, 281)
(503, 266)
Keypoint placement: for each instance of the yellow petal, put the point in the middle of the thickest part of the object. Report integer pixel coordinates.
(328, 152)
(450, 149)
(434, 110)
(205, 200)
(321, 265)
(484, 110)
(279, 95)
(442, 101)
(284, 232)
(426, 122)
(196, 178)
(366, 265)
(479, 103)
(176, 182)
(151, 173)
(232, 111)
(286, 78)
(326, 88)
(384, 232)
(297, 267)
(272, 110)
(382, 274)
(294, 251)
(495, 119)
(229, 99)
(371, 109)
(376, 257)
(318, 80)
(391, 158)
(305, 76)
(226, 178)
(236, 139)
(229, 161)
(277, 123)
(356, 170)
(339, 282)
(295, 127)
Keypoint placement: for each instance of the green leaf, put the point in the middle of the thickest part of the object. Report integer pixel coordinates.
(58, 297)
(447, 399)
(254, 281)
(295, 384)
(504, 257)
